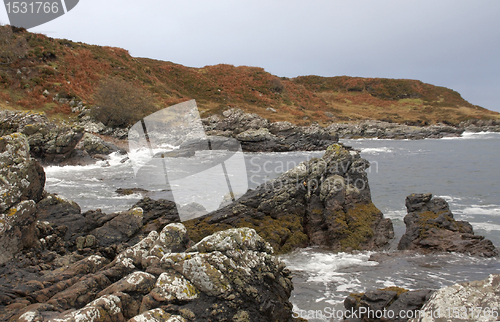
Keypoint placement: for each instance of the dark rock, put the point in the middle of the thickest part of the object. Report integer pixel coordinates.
(321, 202)
(430, 227)
(385, 304)
(129, 191)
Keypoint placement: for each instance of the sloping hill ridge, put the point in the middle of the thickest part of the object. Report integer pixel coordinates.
(54, 73)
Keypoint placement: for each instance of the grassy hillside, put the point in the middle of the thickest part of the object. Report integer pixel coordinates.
(64, 69)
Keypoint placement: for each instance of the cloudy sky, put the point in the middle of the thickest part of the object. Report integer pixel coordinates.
(451, 43)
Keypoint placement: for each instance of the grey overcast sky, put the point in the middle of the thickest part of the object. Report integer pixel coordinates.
(451, 43)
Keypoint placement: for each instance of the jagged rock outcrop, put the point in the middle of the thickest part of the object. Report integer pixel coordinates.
(55, 144)
(469, 301)
(257, 134)
(386, 130)
(229, 276)
(21, 185)
(392, 304)
(430, 227)
(475, 125)
(323, 201)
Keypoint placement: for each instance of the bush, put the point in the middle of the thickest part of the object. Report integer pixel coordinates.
(11, 47)
(120, 104)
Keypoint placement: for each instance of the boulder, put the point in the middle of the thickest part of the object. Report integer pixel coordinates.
(469, 301)
(430, 227)
(323, 201)
(21, 185)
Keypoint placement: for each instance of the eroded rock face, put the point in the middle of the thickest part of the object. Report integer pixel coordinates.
(466, 298)
(21, 185)
(430, 227)
(229, 276)
(321, 202)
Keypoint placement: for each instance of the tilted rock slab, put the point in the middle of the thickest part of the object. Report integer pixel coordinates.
(430, 227)
(229, 276)
(324, 201)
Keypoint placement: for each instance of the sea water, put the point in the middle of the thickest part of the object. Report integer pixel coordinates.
(465, 171)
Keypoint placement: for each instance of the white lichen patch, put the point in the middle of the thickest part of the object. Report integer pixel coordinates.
(204, 276)
(173, 285)
(137, 278)
(29, 316)
(110, 303)
(231, 239)
(157, 315)
(96, 259)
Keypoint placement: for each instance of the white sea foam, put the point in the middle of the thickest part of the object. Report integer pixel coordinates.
(325, 267)
(485, 226)
(485, 210)
(376, 151)
(474, 135)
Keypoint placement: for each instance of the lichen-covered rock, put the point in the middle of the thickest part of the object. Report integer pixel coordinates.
(52, 143)
(430, 227)
(229, 276)
(470, 301)
(321, 202)
(93, 144)
(21, 185)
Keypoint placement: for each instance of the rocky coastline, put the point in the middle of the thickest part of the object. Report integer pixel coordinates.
(85, 142)
(143, 265)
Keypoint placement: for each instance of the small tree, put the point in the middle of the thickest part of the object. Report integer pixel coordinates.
(120, 104)
(11, 47)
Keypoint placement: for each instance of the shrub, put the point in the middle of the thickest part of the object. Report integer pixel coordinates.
(120, 103)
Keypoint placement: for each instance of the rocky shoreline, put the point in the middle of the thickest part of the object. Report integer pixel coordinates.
(143, 265)
(86, 142)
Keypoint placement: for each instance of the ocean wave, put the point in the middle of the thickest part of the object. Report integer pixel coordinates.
(485, 226)
(487, 210)
(376, 150)
(323, 267)
(474, 136)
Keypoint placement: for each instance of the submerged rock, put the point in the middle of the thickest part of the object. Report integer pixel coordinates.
(230, 276)
(323, 201)
(430, 227)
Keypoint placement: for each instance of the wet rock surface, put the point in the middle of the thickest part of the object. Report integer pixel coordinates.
(430, 227)
(323, 201)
